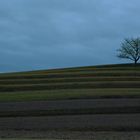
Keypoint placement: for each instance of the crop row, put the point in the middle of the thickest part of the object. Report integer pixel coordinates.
(65, 80)
(74, 85)
(117, 110)
(71, 75)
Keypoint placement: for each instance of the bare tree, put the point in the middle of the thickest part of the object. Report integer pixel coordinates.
(130, 49)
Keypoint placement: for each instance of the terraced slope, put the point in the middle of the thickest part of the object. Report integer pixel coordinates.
(84, 98)
(71, 83)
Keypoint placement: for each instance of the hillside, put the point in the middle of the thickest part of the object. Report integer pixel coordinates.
(66, 102)
(71, 83)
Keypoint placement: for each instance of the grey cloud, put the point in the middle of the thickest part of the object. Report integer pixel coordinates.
(40, 34)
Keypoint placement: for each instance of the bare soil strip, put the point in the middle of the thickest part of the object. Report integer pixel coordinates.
(69, 74)
(68, 135)
(116, 122)
(70, 104)
(70, 107)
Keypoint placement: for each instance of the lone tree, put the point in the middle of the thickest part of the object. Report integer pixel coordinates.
(130, 49)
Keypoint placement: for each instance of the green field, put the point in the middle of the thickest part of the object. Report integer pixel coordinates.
(68, 94)
(71, 83)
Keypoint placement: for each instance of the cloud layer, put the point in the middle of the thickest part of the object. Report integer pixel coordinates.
(41, 34)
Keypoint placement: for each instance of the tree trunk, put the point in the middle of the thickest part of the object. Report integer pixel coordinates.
(135, 62)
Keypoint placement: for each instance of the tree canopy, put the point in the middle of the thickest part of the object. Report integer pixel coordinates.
(130, 49)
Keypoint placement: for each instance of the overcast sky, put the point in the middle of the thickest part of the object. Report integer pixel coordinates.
(42, 34)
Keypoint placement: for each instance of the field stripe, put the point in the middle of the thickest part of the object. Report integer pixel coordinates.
(66, 80)
(118, 122)
(85, 85)
(78, 74)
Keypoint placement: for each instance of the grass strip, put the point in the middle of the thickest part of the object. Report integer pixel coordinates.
(68, 94)
(86, 85)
